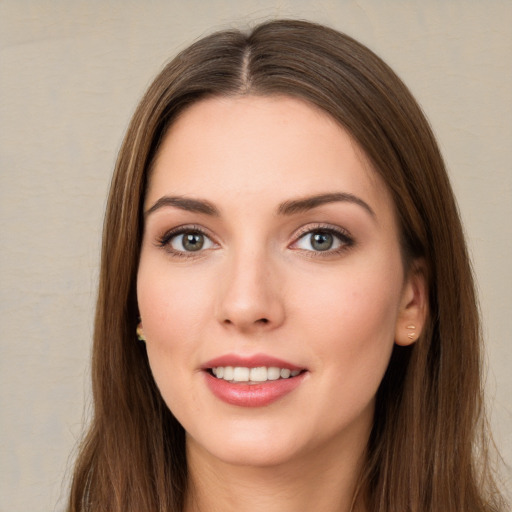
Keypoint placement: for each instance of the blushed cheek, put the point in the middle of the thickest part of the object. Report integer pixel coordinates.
(168, 347)
(357, 320)
(171, 305)
(173, 315)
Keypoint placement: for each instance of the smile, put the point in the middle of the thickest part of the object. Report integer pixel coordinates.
(256, 375)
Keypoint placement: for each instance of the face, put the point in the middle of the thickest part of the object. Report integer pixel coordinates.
(270, 283)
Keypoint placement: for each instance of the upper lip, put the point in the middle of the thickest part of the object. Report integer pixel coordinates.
(246, 361)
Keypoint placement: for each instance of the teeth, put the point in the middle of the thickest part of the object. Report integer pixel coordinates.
(285, 373)
(259, 374)
(228, 373)
(273, 373)
(241, 374)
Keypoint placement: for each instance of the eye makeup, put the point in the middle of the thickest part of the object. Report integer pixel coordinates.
(314, 240)
(194, 241)
(325, 240)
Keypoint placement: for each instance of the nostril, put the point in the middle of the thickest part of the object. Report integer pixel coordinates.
(247, 322)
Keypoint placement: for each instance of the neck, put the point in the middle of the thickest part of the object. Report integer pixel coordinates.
(317, 482)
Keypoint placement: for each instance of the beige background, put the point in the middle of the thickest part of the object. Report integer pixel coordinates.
(71, 73)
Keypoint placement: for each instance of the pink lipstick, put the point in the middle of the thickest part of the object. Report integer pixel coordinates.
(251, 381)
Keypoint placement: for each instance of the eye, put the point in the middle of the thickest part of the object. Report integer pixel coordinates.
(323, 240)
(186, 241)
(191, 241)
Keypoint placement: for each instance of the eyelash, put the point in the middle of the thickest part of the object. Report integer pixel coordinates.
(165, 239)
(341, 235)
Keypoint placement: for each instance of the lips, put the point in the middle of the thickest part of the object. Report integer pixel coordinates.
(253, 381)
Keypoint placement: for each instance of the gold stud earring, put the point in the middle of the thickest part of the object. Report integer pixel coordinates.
(140, 333)
(411, 335)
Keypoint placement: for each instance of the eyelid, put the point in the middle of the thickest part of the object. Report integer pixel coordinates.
(165, 239)
(343, 235)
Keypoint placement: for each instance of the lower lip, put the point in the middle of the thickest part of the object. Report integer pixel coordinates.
(252, 395)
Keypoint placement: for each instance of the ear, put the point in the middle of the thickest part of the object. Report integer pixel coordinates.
(413, 306)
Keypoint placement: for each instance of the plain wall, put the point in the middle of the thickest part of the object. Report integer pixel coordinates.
(71, 73)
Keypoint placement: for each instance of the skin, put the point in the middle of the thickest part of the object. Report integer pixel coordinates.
(259, 286)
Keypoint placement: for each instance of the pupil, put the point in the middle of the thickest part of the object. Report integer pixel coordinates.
(193, 241)
(322, 241)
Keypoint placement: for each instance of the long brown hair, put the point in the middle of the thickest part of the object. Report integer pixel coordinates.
(427, 448)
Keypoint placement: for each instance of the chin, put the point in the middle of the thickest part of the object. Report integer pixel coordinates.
(249, 447)
(254, 456)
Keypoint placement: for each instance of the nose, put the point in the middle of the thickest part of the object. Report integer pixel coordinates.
(251, 297)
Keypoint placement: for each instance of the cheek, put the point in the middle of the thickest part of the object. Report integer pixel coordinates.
(172, 304)
(353, 344)
(355, 302)
(354, 324)
(173, 309)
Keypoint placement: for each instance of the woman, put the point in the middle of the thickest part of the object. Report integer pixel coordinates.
(282, 236)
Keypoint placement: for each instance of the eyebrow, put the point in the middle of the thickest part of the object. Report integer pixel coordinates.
(286, 208)
(185, 203)
(308, 203)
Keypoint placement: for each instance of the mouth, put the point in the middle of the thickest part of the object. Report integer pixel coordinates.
(252, 381)
(252, 376)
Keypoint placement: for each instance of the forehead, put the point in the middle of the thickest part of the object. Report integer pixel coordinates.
(264, 147)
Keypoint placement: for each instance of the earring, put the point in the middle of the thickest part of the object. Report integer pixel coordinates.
(411, 335)
(140, 333)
